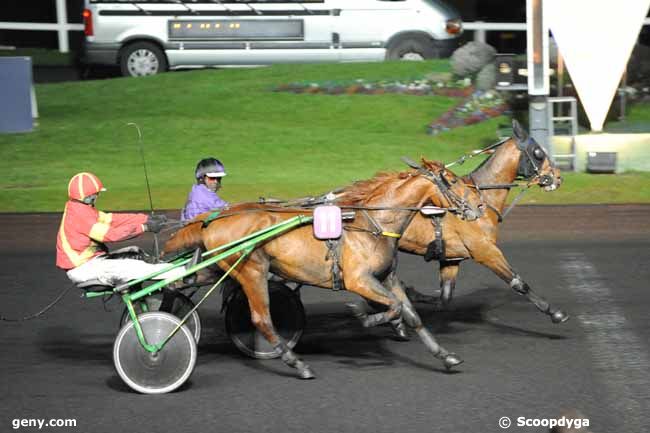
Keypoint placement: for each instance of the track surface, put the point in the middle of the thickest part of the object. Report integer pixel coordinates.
(590, 260)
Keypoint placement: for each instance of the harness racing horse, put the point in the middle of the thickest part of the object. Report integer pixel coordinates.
(363, 260)
(517, 157)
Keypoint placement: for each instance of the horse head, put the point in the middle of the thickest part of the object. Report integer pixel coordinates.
(535, 165)
(466, 201)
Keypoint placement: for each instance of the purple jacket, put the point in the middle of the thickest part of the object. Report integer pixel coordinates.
(199, 200)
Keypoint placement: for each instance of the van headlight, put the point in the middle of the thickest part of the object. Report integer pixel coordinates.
(454, 27)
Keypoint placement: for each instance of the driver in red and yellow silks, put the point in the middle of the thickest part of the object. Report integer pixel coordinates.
(80, 248)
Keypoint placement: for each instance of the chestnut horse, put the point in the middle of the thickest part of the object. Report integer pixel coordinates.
(363, 259)
(519, 157)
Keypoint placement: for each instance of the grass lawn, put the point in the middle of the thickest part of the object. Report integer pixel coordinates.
(272, 143)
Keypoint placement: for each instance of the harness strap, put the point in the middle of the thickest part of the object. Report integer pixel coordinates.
(436, 249)
(496, 211)
(334, 253)
(495, 186)
(378, 230)
(213, 216)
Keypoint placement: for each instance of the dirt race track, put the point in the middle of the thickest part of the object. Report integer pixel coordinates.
(592, 261)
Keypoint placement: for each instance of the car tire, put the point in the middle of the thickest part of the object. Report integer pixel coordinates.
(412, 49)
(142, 59)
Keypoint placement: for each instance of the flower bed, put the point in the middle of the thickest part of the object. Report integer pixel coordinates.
(424, 87)
(477, 108)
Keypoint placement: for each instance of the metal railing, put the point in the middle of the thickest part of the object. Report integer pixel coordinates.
(480, 28)
(62, 27)
(569, 126)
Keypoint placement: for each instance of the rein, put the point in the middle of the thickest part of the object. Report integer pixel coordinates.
(379, 231)
(472, 154)
(526, 161)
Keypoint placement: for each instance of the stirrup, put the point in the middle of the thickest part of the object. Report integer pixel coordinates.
(196, 258)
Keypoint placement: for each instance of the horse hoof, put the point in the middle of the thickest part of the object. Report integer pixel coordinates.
(559, 316)
(401, 334)
(305, 373)
(451, 361)
(357, 311)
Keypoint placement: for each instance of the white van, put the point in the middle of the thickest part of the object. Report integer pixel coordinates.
(148, 37)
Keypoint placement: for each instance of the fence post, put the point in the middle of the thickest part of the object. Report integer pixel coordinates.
(62, 24)
(479, 34)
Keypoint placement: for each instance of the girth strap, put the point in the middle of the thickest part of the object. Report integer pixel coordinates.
(378, 230)
(436, 249)
(334, 254)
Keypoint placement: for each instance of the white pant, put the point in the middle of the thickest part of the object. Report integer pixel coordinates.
(112, 272)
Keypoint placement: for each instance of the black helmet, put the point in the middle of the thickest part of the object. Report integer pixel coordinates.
(211, 167)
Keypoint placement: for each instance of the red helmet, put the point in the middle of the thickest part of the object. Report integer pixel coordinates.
(84, 184)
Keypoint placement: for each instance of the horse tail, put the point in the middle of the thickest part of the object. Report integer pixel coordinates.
(186, 238)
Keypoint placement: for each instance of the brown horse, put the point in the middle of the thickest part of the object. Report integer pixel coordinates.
(363, 259)
(518, 157)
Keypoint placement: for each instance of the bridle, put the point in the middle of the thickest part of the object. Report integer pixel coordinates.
(459, 204)
(531, 160)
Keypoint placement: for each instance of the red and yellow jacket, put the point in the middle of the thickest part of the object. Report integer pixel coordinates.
(83, 230)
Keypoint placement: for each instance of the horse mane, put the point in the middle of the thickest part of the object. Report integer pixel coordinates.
(361, 190)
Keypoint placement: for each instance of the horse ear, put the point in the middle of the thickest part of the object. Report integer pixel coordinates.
(518, 131)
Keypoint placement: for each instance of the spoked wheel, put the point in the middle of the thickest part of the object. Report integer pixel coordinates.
(180, 307)
(288, 316)
(163, 371)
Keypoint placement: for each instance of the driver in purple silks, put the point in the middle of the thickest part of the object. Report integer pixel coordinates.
(203, 196)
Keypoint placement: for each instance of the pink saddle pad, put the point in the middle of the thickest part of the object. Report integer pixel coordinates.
(327, 222)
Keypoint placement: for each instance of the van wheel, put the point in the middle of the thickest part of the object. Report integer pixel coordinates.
(412, 50)
(141, 59)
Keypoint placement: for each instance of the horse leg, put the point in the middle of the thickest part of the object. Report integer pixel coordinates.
(494, 259)
(397, 324)
(368, 287)
(448, 274)
(413, 320)
(253, 281)
(419, 297)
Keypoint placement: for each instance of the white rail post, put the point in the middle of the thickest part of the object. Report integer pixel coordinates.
(479, 33)
(62, 24)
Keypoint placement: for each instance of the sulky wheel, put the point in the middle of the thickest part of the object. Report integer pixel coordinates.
(163, 371)
(288, 317)
(180, 306)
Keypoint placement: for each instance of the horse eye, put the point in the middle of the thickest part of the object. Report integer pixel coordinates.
(539, 153)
